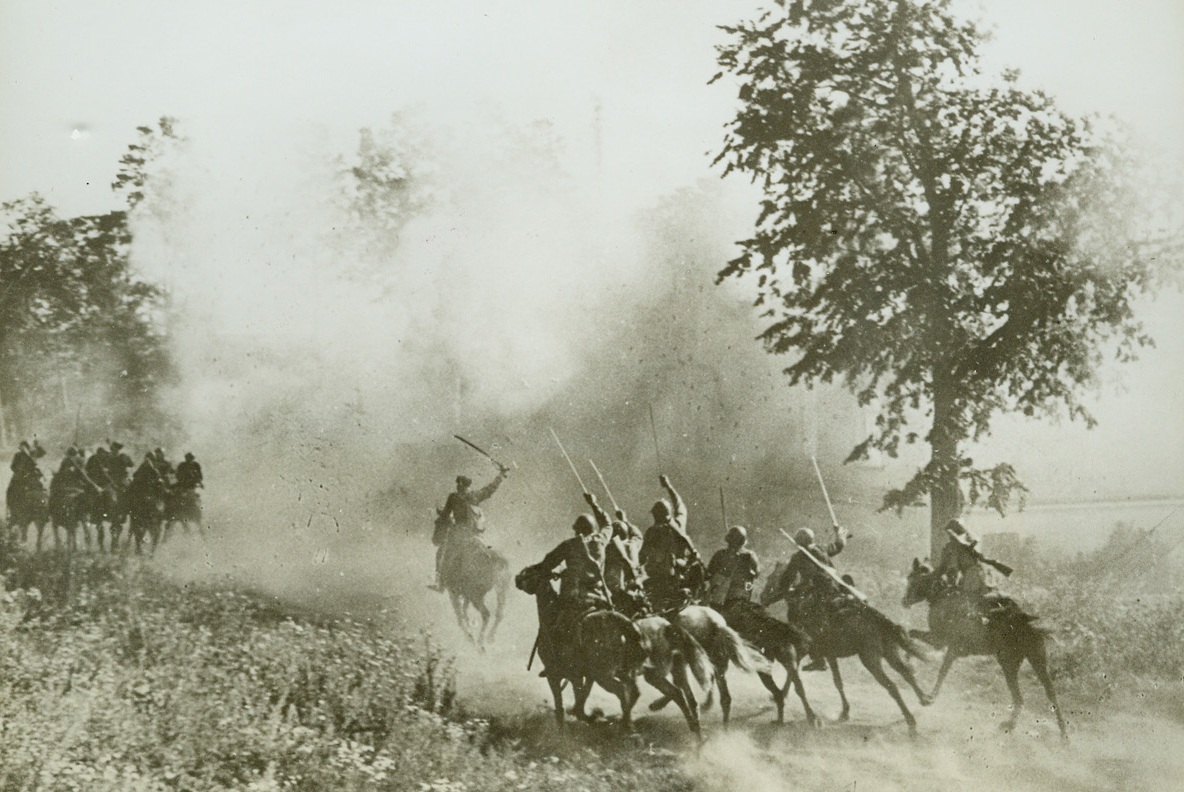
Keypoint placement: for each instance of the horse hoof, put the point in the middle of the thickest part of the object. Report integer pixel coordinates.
(1007, 726)
(659, 704)
(925, 700)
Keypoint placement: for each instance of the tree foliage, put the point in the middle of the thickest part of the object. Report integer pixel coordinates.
(82, 338)
(943, 242)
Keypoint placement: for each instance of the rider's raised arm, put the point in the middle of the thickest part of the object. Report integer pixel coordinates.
(602, 520)
(490, 488)
(679, 517)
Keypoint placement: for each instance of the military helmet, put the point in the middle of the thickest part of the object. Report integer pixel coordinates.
(955, 526)
(116, 445)
(736, 535)
(463, 481)
(661, 510)
(25, 445)
(584, 525)
(189, 456)
(804, 537)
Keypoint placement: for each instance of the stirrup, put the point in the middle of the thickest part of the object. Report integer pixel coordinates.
(816, 664)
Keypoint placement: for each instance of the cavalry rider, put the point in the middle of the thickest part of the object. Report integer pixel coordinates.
(731, 573)
(149, 472)
(460, 518)
(581, 584)
(25, 472)
(98, 467)
(673, 568)
(622, 572)
(119, 465)
(964, 567)
(813, 591)
(189, 473)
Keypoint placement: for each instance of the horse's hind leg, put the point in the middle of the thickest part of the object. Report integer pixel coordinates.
(872, 663)
(459, 607)
(777, 691)
(679, 692)
(556, 685)
(499, 606)
(479, 604)
(837, 676)
(1011, 671)
(1039, 661)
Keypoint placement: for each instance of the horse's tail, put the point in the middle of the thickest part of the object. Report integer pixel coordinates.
(899, 636)
(741, 653)
(685, 644)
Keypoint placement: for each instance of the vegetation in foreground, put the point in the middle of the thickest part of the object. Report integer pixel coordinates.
(112, 677)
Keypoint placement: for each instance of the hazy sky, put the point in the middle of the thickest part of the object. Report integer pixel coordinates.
(78, 76)
(261, 83)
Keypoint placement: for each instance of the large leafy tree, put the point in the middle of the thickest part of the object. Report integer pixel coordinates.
(946, 244)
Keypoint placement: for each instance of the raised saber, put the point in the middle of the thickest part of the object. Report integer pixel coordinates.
(723, 507)
(569, 462)
(833, 520)
(481, 451)
(604, 484)
(654, 432)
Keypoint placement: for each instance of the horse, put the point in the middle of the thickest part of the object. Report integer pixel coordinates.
(848, 627)
(182, 507)
(105, 507)
(611, 650)
(751, 645)
(958, 627)
(468, 571)
(69, 506)
(28, 505)
(145, 502)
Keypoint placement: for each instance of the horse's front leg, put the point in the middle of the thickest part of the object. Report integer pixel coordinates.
(946, 662)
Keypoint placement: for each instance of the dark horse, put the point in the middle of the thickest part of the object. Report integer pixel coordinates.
(105, 507)
(608, 649)
(145, 501)
(469, 570)
(182, 507)
(956, 625)
(28, 505)
(849, 627)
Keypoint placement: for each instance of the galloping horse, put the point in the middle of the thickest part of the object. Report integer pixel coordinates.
(609, 649)
(956, 625)
(105, 507)
(852, 628)
(145, 502)
(182, 507)
(68, 509)
(28, 505)
(468, 571)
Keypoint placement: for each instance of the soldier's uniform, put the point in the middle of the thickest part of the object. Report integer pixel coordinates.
(674, 571)
(189, 473)
(732, 571)
(120, 465)
(460, 519)
(962, 566)
(25, 473)
(814, 592)
(622, 571)
(98, 467)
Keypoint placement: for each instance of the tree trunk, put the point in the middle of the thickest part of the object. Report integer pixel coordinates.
(945, 495)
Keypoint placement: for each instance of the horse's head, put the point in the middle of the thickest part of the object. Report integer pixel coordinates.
(533, 580)
(920, 583)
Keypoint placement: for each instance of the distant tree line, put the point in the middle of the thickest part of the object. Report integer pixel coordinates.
(83, 338)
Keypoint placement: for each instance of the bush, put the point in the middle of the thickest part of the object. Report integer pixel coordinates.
(122, 680)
